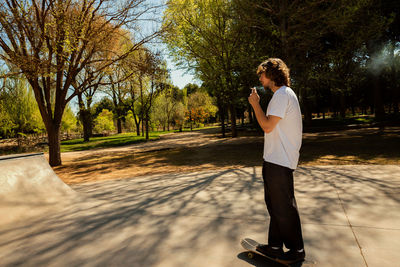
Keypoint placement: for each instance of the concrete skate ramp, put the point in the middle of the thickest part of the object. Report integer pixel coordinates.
(28, 185)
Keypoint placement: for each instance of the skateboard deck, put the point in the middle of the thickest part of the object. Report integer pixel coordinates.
(251, 246)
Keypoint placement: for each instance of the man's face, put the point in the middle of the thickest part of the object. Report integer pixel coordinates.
(265, 81)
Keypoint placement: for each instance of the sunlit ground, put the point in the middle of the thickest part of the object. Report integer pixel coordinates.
(201, 150)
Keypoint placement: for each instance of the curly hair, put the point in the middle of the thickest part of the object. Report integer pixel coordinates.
(276, 70)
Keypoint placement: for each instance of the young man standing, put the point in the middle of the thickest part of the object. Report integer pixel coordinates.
(282, 141)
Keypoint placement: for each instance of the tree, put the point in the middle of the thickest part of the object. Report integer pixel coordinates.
(165, 105)
(134, 69)
(104, 122)
(200, 107)
(130, 122)
(6, 123)
(51, 41)
(158, 111)
(118, 93)
(310, 35)
(85, 99)
(158, 75)
(104, 103)
(120, 83)
(191, 88)
(179, 115)
(69, 121)
(204, 33)
(152, 76)
(19, 110)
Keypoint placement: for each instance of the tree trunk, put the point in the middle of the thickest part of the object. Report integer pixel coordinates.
(227, 117)
(306, 107)
(283, 27)
(378, 103)
(85, 117)
(372, 48)
(119, 124)
(222, 115)
(87, 125)
(342, 105)
(147, 127)
(233, 120)
(118, 110)
(137, 122)
(394, 82)
(138, 129)
(53, 135)
(250, 113)
(143, 123)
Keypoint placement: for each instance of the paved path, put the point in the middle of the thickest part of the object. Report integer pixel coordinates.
(350, 217)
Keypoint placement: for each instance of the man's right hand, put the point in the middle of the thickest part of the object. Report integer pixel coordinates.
(254, 98)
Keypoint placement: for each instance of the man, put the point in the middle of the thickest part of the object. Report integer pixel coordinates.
(282, 141)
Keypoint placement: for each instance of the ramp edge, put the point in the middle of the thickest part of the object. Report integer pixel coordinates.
(17, 156)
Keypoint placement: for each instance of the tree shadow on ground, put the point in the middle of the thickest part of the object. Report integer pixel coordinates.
(185, 219)
(362, 146)
(126, 222)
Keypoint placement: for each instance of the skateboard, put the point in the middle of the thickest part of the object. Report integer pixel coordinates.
(250, 246)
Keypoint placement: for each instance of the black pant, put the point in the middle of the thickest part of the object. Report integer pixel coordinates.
(285, 226)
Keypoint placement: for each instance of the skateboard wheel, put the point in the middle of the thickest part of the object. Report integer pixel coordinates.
(250, 255)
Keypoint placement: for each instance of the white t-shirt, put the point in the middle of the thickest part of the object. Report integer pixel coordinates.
(282, 145)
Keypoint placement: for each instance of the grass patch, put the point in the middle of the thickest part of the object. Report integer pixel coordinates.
(94, 143)
(115, 140)
(107, 141)
(187, 129)
(391, 119)
(327, 122)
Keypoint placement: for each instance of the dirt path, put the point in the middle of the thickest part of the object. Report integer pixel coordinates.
(177, 152)
(201, 150)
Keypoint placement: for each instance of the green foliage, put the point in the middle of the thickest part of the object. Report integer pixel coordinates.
(130, 122)
(161, 109)
(165, 105)
(191, 88)
(104, 103)
(69, 121)
(104, 122)
(6, 123)
(179, 115)
(200, 107)
(18, 109)
(203, 36)
(334, 49)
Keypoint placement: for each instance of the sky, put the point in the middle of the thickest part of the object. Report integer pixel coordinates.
(179, 77)
(152, 21)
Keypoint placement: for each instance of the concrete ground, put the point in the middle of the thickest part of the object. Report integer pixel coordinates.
(350, 217)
